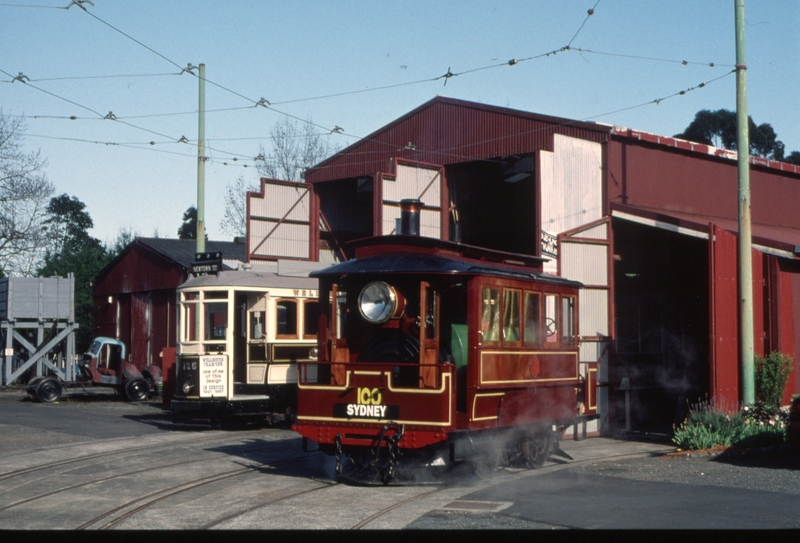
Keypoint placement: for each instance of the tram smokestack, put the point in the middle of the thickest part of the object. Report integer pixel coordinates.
(409, 216)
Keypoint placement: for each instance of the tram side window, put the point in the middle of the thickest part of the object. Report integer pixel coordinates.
(533, 319)
(310, 319)
(551, 318)
(287, 318)
(511, 333)
(490, 315)
(568, 315)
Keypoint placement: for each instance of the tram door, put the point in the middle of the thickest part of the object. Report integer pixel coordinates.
(453, 304)
(239, 338)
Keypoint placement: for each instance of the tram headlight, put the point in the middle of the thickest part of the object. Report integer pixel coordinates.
(187, 387)
(313, 353)
(377, 302)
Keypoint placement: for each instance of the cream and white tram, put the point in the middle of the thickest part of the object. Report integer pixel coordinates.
(240, 336)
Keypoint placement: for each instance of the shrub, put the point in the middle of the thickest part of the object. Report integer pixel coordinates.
(771, 374)
(708, 425)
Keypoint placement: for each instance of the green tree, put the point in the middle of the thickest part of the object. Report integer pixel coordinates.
(67, 225)
(718, 128)
(188, 229)
(72, 250)
(793, 158)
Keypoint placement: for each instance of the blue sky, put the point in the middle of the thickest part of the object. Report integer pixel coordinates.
(299, 55)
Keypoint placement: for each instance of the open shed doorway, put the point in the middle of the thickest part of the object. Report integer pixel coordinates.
(495, 201)
(662, 326)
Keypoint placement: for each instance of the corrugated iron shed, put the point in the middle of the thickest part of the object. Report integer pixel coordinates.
(449, 131)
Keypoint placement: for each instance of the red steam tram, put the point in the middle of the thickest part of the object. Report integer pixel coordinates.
(433, 352)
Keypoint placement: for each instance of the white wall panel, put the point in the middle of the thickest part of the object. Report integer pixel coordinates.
(287, 240)
(598, 231)
(593, 317)
(278, 224)
(585, 262)
(571, 184)
(280, 200)
(414, 182)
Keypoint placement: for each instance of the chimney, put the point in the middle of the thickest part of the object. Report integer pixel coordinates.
(409, 216)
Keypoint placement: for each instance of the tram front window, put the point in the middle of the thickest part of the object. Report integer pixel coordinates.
(216, 321)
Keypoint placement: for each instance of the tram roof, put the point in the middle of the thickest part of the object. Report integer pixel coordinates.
(413, 254)
(249, 279)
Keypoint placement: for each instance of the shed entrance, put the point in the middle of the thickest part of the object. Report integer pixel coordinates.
(661, 280)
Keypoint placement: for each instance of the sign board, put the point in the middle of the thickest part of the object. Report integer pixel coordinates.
(205, 263)
(213, 376)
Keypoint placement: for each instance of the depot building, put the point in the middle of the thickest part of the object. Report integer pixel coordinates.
(647, 223)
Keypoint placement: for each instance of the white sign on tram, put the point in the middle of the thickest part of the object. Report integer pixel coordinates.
(213, 379)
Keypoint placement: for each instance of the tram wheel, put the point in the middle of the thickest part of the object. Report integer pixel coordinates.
(536, 449)
(48, 390)
(137, 390)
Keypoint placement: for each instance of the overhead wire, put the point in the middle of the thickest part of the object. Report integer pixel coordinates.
(266, 104)
(449, 152)
(446, 76)
(589, 13)
(6, 5)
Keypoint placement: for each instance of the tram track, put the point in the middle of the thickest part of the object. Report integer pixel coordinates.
(385, 510)
(122, 451)
(237, 514)
(244, 493)
(149, 469)
(154, 498)
(175, 490)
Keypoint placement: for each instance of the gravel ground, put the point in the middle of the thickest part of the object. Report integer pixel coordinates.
(773, 469)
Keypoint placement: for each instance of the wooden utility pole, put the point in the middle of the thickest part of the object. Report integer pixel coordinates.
(746, 329)
(201, 162)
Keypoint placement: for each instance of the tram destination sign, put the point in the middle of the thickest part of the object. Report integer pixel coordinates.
(207, 263)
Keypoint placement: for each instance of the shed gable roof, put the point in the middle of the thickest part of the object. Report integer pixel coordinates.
(182, 251)
(170, 252)
(449, 131)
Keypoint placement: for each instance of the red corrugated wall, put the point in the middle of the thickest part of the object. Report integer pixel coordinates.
(789, 326)
(724, 325)
(662, 178)
(140, 328)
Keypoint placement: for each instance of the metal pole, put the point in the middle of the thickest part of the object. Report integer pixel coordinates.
(746, 330)
(201, 162)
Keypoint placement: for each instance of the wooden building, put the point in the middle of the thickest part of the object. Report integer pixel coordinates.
(135, 295)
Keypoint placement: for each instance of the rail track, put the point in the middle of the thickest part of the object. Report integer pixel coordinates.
(211, 480)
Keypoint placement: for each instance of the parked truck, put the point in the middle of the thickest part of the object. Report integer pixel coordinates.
(105, 364)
